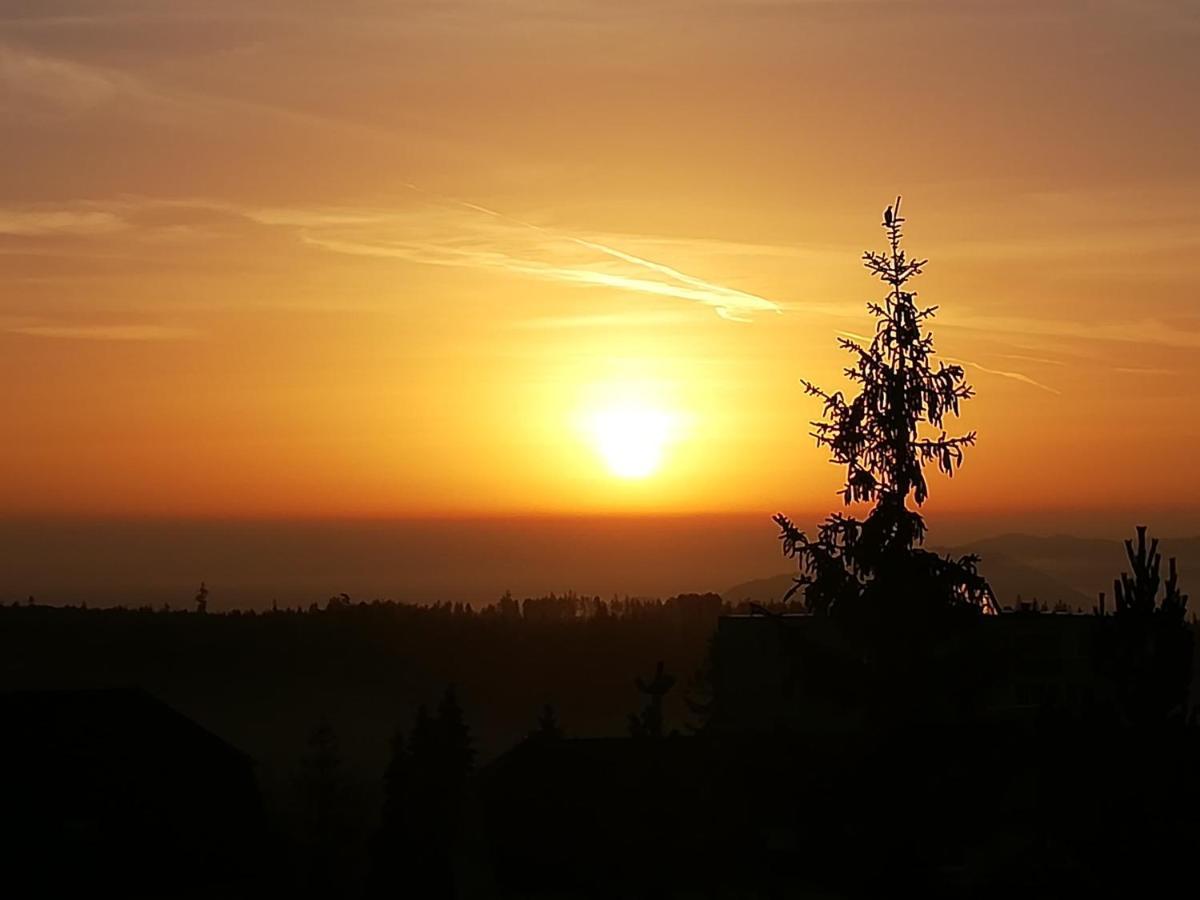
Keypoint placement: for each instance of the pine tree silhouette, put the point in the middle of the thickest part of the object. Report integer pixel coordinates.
(201, 598)
(458, 751)
(548, 728)
(885, 436)
(700, 697)
(429, 781)
(396, 784)
(1148, 644)
(323, 815)
(649, 722)
(392, 844)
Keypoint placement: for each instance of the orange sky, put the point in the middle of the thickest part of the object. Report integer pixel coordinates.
(349, 258)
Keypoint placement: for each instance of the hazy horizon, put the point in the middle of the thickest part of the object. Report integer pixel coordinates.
(249, 563)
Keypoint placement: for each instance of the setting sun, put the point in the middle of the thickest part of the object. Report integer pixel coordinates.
(631, 439)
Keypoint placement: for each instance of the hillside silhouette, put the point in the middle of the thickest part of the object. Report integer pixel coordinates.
(1053, 569)
(1013, 582)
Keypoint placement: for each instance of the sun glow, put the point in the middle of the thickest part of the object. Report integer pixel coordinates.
(631, 439)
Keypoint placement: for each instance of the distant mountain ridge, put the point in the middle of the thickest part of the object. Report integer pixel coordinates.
(1050, 569)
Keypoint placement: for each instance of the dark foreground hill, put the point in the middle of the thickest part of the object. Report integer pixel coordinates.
(357, 673)
(265, 681)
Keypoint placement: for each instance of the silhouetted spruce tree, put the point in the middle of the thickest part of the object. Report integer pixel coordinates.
(1148, 643)
(649, 722)
(391, 845)
(441, 758)
(700, 697)
(429, 831)
(396, 784)
(424, 758)
(458, 750)
(320, 787)
(201, 598)
(547, 728)
(885, 436)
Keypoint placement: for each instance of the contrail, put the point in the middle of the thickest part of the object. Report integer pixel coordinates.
(739, 302)
(861, 338)
(1015, 376)
(1037, 359)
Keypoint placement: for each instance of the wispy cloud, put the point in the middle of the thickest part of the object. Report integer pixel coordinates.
(660, 318)
(1144, 370)
(1015, 376)
(1150, 331)
(1034, 359)
(58, 82)
(450, 232)
(38, 83)
(730, 303)
(1002, 373)
(855, 336)
(49, 222)
(433, 232)
(98, 332)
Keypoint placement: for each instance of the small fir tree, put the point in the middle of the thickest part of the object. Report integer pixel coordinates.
(1147, 642)
(548, 729)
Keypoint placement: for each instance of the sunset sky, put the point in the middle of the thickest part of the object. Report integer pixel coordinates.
(362, 258)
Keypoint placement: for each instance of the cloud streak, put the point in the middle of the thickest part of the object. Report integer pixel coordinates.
(111, 332)
(1148, 331)
(729, 303)
(50, 222)
(1002, 373)
(662, 318)
(461, 234)
(57, 83)
(440, 232)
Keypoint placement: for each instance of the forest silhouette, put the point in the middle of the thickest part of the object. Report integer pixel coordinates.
(887, 725)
